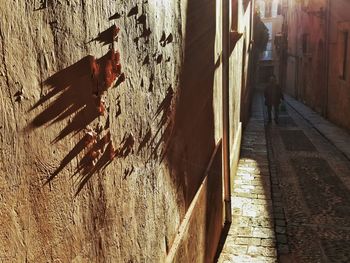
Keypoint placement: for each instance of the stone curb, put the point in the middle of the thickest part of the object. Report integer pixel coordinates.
(339, 137)
(280, 222)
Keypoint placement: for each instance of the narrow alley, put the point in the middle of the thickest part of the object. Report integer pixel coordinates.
(175, 131)
(291, 199)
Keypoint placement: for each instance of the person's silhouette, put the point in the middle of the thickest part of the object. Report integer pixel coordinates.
(273, 97)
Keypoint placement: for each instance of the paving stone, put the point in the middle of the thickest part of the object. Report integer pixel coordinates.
(280, 229)
(276, 195)
(236, 211)
(283, 249)
(280, 222)
(250, 187)
(262, 201)
(253, 196)
(281, 238)
(277, 199)
(242, 190)
(275, 189)
(264, 196)
(256, 210)
(268, 242)
(244, 176)
(266, 222)
(263, 232)
(279, 216)
(318, 182)
(278, 210)
(247, 259)
(243, 231)
(259, 192)
(262, 251)
(236, 249)
(277, 204)
(296, 140)
(251, 237)
(339, 137)
(248, 241)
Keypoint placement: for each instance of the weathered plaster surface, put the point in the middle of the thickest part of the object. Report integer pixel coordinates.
(164, 122)
(130, 210)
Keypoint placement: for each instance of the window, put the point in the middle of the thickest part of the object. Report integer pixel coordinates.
(344, 54)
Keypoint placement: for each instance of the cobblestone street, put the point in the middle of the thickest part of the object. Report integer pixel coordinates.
(251, 237)
(314, 179)
(291, 197)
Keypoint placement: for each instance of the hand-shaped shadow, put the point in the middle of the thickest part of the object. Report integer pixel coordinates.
(76, 92)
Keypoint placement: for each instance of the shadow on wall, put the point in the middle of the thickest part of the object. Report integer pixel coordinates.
(76, 92)
(192, 142)
(156, 144)
(165, 125)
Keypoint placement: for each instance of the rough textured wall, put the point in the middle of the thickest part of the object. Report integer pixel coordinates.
(94, 169)
(338, 89)
(201, 233)
(194, 121)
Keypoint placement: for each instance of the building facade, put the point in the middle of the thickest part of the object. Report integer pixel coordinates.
(338, 82)
(120, 124)
(306, 52)
(317, 56)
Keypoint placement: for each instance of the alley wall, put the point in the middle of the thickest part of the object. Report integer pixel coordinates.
(338, 92)
(317, 64)
(155, 136)
(240, 68)
(307, 52)
(110, 129)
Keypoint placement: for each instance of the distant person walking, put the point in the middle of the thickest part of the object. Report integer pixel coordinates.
(273, 96)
